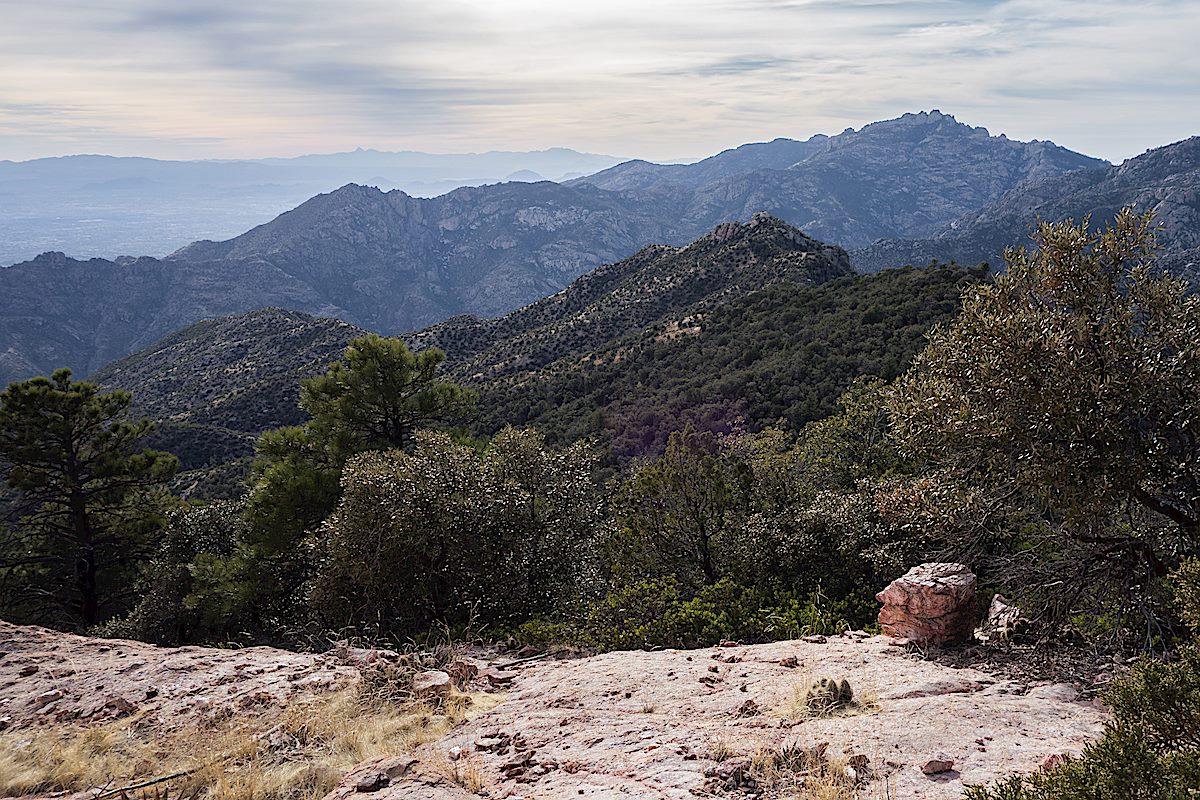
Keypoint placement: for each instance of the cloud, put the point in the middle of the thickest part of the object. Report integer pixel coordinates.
(655, 78)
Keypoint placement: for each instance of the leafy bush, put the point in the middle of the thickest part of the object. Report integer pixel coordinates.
(180, 599)
(449, 532)
(1071, 386)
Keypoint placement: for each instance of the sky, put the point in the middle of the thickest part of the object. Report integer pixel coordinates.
(657, 79)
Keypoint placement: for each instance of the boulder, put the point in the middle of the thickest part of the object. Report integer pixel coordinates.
(932, 604)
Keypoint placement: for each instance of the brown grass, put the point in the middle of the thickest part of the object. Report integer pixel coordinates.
(814, 774)
(463, 772)
(299, 753)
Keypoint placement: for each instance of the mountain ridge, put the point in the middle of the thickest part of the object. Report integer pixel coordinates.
(233, 377)
(392, 262)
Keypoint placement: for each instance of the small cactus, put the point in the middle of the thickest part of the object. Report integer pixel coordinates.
(827, 694)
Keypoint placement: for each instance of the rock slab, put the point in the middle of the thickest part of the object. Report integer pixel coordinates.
(663, 725)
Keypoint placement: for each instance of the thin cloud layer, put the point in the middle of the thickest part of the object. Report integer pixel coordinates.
(655, 78)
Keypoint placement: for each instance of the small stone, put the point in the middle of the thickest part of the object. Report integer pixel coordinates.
(462, 671)
(789, 662)
(117, 707)
(1003, 619)
(747, 709)
(1054, 760)
(372, 782)
(1061, 692)
(817, 639)
(937, 765)
(431, 685)
(732, 771)
(499, 678)
(455, 753)
(46, 697)
(28, 670)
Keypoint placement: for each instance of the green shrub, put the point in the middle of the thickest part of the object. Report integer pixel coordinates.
(450, 533)
(654, 613)
(180, 598)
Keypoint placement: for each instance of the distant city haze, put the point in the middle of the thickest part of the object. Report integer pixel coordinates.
(657, 79)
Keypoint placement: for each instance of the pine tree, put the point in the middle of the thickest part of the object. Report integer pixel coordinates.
(87, 499)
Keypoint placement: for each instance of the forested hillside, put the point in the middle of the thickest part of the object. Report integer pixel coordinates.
(779, 356)
(749, 326)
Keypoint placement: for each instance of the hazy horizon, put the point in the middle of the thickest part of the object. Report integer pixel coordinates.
(665, 80)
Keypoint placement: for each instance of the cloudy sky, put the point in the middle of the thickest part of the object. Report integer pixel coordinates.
(659, 79)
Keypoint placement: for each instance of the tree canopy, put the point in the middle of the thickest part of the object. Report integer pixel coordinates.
(1072, 383)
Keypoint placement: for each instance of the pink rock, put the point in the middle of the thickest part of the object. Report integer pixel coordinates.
(462, 671)
(431, 684)
(1054, 760)
(931, 604)
(1003, 619)
(938, 764)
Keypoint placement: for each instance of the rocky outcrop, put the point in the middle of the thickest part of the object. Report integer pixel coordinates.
(669, 724)
(932, 604)
(48, 677)
(1165, 181)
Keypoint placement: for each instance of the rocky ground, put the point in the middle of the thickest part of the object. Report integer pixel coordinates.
(666, 724)
(47, 677)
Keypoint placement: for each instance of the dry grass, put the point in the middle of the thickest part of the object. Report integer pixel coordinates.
(720, 748)
(464, 773)
(298, 754)
(795, 773)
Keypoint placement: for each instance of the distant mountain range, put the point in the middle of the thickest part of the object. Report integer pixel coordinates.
(394, 263)
(105, 206)
(1165, 180)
